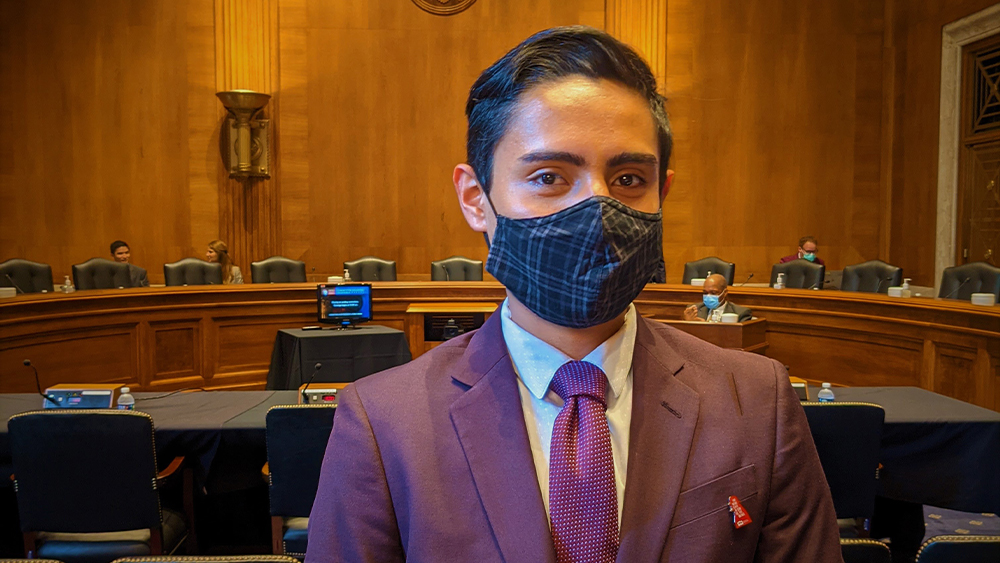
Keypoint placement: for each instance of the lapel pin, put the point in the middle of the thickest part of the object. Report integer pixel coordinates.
(740, 516)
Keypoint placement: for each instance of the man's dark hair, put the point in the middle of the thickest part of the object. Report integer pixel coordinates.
(548, 56)
(118, 244)
(804, 240)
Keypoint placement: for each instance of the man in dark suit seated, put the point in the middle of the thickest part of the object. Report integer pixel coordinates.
(807, 251)
(121, 253)
(715, 303)
(568, 428)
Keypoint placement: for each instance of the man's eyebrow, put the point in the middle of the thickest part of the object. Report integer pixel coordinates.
(632, 158)
(549, 156)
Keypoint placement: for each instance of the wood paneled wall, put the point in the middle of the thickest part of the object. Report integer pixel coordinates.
(108, 130)
(790, 118)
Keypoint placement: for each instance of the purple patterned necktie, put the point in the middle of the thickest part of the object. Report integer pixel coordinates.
(583, 501)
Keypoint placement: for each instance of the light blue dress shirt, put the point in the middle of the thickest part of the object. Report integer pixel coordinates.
(536, 362)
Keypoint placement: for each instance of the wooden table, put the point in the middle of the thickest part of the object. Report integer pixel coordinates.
(221, 336)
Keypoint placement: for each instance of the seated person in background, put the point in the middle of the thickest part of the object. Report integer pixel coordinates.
(807, 250)
(714, 303)
(218, 251)
(120, 253)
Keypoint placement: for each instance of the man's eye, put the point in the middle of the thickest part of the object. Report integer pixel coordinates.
(548, 179)
(628, 180)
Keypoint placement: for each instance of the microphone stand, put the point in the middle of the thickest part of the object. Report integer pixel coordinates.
(316, 369)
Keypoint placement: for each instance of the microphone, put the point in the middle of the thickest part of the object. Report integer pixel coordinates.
(746, 280)
(13, 283)
(38, 385)
(879, 286)
(960, 286)
(316, 369)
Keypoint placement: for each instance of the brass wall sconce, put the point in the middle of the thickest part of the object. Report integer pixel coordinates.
(244, 140)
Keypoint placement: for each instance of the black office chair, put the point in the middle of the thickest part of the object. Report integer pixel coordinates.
(964, 549)
(800, 274)
(98, 273)
(371, 268)
(701, 268)
(84, 472)
(26, 276)
(864, 550)
(192, 271)
(873, 276)
(278, 269)
(297, 436)
(205, 559)
(848, 437)
(982, 278)
(457, 268)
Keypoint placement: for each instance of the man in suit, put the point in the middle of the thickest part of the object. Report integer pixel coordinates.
(121, 253)
(715, 303)
(568, 428)
(807, 251)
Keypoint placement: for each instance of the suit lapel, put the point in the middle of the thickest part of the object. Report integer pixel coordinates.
(490, 426)
(664, 415)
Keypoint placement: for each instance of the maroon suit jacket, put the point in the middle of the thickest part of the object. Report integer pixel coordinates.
(430, 461)
(795, 256)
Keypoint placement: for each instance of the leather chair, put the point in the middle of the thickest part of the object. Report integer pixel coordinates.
(297, 436)
(873, 276)
(98, 273)
(192, 271)
(371, 268)
(964, 549)
(800, 274)
(864, 550)
(457, 268)
(205, 559)
(26, 276)
(983, 278)
(109, 488)
(701, 268)
(278, 269)
(848, 438)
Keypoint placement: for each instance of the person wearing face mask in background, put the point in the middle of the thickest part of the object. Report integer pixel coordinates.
(807, 251)
(715, 302)
(568, 428)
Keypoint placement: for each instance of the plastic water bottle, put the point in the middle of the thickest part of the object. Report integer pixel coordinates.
(825, 394)
(126, 402)
(68, 285)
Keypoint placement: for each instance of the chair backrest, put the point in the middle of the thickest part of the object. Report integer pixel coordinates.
(800, 274)
(457, 268)
(296, 442)
(701, 268)
(27, 276)
(371, 268)
(99, 273)
(848, 438)
(202, 559)
(192, 271)
(864, 550)
(84, 471)
(873, 276)
(983, 278)
(278, 269)
(966, 549)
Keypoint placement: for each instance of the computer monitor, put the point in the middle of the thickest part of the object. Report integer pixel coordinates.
(344, 304)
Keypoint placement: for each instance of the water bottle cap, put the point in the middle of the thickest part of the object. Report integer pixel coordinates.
(826, 385)
(124, 390)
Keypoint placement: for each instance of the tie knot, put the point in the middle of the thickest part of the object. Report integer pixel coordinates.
(573, 379)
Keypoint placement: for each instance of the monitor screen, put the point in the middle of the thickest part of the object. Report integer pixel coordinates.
(346, 303)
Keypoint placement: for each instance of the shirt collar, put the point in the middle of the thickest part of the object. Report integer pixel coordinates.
(536, 361)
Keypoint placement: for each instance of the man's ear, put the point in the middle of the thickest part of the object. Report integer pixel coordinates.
(471, 198)
(666, 185)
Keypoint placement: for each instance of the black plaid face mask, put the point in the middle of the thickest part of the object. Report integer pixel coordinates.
(581, 266)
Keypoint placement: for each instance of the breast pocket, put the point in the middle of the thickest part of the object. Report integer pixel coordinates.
(712, 497)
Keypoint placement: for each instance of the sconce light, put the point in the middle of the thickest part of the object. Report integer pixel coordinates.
(244, 139)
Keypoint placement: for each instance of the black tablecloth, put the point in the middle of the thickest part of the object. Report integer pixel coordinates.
(935, 450)
(346, 355)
